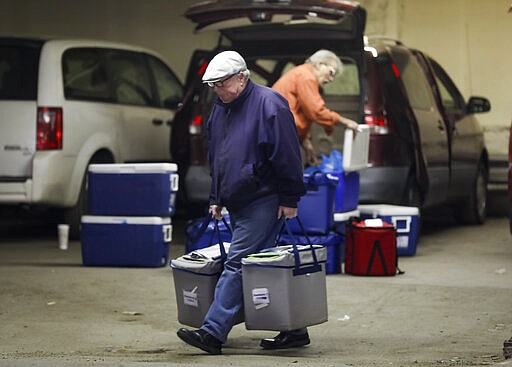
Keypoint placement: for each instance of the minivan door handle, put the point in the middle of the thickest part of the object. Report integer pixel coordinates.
(440, 125)
(157, 122)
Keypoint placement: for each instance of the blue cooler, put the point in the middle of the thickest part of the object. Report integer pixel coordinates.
(347, 191)
(405, 219)
(334, 243)
(125, 241)
(209, 237)
(139, 189)
(317, 206)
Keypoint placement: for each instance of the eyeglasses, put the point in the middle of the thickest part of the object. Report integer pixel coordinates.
(332, 70)
(220, 83)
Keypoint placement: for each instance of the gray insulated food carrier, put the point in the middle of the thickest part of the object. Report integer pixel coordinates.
(284, 288)
(195, 277)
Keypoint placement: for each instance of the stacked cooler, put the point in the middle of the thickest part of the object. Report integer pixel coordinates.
(332, 198)
(130, 210)
(405, 219)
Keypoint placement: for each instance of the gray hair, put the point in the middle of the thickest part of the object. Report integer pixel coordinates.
(246, 73)
(326, 56)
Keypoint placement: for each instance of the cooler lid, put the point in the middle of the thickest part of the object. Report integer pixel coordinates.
(282, 256)
(387, 209)
(133, 168)
(345, 216)
(102, 219)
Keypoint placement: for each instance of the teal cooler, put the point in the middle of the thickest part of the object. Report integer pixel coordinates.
(405, 219)
(138, 189)
(316, 208)
(125, 241)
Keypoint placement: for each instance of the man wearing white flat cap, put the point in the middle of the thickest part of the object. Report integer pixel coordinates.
(256, 172)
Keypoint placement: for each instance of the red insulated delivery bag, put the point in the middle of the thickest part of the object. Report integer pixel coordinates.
(371, 250)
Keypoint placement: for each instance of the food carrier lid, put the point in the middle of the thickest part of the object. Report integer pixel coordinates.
(101, 219)
(387, 209)
(133, 168)
(282, 256)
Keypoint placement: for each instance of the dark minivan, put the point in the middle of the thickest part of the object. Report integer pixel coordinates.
(426, 148)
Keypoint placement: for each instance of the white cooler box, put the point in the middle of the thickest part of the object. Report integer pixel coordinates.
(195, 277)
(405, 219)
(276, 297)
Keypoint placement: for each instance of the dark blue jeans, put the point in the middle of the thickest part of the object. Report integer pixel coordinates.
(254, 229)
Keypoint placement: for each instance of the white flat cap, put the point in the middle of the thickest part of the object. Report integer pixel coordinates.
(223, 65)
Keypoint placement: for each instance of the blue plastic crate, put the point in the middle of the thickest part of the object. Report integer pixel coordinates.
(209, 237)
(347, 191)
(316, 208)
(133, 189)
(125, 241)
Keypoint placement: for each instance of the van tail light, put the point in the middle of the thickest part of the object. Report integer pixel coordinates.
(49, 128)
(395, 70)
(195, 126)
(377, 122)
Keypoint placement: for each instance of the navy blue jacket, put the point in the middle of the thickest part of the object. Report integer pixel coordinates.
(254, 150)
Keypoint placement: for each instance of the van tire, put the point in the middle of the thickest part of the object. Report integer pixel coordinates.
(474, 209)
(412, 194)
(73, 216)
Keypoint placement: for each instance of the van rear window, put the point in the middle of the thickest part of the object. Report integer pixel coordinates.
(18, 72)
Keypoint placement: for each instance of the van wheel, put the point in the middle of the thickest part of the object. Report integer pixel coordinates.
(73, 215)
(412, 194)
(474, 209)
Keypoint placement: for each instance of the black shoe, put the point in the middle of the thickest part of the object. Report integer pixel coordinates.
(201, 339)
(285, 340)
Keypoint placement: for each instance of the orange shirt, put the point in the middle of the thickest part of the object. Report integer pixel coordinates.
(300, 87)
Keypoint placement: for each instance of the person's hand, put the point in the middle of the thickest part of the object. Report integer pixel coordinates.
(287, 212)
(329, 129)
(216, 211)
(350, 124)
(310, 153)
(311, 158)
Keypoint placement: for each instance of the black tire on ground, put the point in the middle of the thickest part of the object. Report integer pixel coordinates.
(474, 209)
(412, 194)
(73, 216)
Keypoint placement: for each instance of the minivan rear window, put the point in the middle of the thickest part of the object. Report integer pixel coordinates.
(18, 72)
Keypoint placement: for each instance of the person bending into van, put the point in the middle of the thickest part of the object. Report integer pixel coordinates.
(257, 175)
(301, 87)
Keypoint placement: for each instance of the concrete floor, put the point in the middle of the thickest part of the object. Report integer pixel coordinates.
(452, 307)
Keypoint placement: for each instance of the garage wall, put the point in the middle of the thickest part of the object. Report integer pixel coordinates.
(155, 24)
(470, 38)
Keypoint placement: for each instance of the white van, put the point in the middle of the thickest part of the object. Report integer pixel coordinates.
(67, 103)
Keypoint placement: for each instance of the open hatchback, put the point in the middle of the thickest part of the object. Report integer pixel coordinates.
(273, 37)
